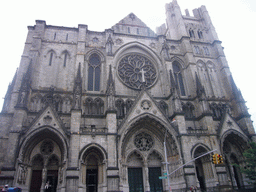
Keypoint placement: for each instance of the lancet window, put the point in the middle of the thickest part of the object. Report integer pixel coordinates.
(93, 107)
(94, 73)
(218, 110)
(178, 77)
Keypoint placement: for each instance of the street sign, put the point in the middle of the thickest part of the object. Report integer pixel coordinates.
(163, 177)
(165, 173)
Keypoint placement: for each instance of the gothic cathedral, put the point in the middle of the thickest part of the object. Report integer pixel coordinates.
(92, 111)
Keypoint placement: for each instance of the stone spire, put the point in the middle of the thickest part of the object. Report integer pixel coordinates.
(238, 98)
(8, 94)
(110, 92)
(77, 92)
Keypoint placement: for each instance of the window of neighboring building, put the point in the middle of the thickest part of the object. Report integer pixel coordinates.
(94, 72)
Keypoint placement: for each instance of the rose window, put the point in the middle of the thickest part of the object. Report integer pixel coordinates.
(143, 141)
(135, 69)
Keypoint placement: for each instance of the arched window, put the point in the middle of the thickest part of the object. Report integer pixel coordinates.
(200, 34)
(197, 50)
(178, 77)
(94, 73)
(51, 58)
(94, 107)
(98, 106)
(88, 106)
(218, 110)
(65, 59)
(191, 33)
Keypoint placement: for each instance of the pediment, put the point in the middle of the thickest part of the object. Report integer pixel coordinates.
(136, 26)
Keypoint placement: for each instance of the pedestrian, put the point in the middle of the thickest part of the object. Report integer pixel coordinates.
(5, 188)
(193, 188)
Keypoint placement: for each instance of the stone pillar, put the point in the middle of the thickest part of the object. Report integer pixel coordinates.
(73, 168)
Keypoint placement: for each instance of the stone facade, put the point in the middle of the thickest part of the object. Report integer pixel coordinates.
(93, 111)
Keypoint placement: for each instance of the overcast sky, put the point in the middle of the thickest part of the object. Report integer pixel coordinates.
(234, 21)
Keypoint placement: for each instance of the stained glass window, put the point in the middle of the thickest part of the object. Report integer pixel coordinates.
(94, 73)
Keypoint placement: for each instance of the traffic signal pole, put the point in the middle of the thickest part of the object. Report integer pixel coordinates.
(166, 164)
(190, 162)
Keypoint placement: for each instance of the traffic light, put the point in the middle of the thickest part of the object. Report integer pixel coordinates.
(214, 159)
(220, 159)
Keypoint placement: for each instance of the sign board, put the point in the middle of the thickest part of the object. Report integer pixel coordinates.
(163, 177)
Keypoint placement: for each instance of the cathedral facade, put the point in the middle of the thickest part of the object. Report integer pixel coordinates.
(105, 111)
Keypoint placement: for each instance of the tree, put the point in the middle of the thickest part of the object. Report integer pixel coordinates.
(250, 159)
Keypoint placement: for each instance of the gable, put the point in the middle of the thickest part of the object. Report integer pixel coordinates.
(143, 106)
(47, 118)
(131, 24)
(227, 124)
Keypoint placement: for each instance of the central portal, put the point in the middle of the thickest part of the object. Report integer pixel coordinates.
(91, 180)
(135, 179)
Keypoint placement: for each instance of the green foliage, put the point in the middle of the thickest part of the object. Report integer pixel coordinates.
(250, 158)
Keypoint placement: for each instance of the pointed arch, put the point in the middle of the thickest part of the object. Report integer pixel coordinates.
(139, 48)
(204, 77)
(203, 165)
(94, 72)
(50, 56)
(178, 77)
(65, 55)
(31, 139)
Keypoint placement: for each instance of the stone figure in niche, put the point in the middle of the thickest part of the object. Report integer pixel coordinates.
(77, 102)
(22, 97)
(109, 45)
(22, 174)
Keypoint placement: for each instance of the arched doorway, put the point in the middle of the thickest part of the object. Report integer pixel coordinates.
(233, 147)
(93, 169)
(135, 172)
(41, 156)
(45, 166)
(203, 168)
(142, 156)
